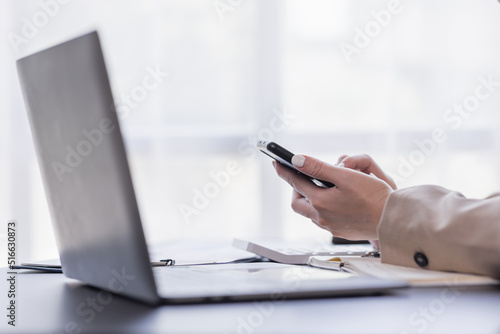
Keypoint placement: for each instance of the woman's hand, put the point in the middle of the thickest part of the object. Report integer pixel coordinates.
(364, 163)
(352, 209)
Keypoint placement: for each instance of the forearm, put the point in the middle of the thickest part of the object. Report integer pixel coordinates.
(452, 232)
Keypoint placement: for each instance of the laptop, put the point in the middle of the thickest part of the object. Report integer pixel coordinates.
(92, 203)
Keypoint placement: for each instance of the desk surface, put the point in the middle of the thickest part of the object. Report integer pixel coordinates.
(49, 303)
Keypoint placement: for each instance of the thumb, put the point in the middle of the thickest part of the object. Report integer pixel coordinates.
(320, 170)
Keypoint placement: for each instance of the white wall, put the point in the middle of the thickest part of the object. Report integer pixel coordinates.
(231, 70)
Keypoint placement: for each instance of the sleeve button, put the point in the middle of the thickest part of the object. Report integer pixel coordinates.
(421, 259)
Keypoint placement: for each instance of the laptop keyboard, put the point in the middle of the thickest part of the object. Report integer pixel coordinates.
(212, 281)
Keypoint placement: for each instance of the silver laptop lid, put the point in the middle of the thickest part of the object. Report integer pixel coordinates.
(84, 168)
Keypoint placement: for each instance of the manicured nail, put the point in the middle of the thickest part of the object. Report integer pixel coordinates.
(298, 160)
(341, 165)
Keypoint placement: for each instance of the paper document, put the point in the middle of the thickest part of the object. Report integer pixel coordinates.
(414, 276)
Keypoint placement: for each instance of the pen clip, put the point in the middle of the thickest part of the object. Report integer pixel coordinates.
(374, 254)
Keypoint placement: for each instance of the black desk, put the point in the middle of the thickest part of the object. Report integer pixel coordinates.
(48, 303)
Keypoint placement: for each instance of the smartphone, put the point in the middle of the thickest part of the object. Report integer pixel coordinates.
(284, 157)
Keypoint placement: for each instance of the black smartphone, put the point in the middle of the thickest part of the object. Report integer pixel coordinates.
(284, 156)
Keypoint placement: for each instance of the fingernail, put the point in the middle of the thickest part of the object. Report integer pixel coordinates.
(298, 160)
(274, 164)
(341, 164)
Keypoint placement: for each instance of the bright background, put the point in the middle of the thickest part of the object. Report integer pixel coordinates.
(233, 66)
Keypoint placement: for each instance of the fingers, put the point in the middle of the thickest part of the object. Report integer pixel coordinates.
(302, 206)
(367, 165)
(352, 209)
(303, 189)
(322, 170)
(363, 163)
(342, 157)
(300, 183)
